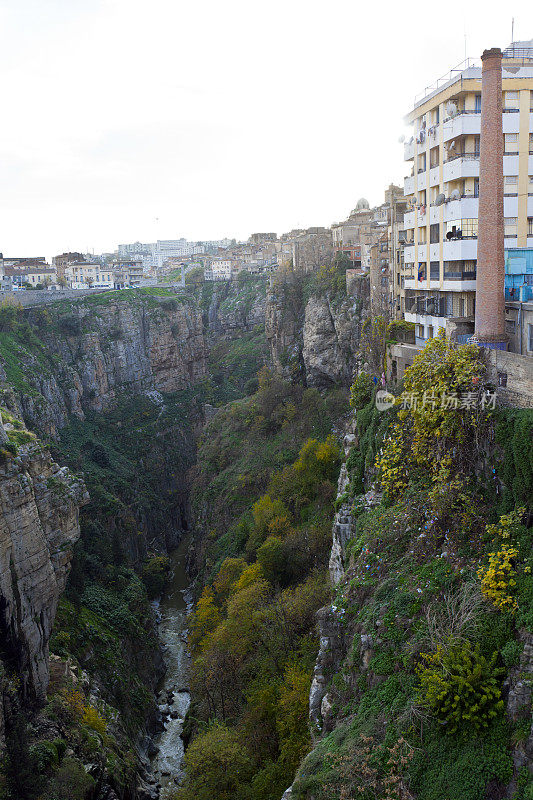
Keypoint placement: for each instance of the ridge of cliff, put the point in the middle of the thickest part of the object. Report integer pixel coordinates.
(313, 327)
(39, 525)
(71, 357)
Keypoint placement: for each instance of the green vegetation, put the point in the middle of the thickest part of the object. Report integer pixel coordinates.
(263, 562)
(234, 364)
(440, 595)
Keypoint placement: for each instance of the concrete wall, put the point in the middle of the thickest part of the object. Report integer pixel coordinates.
(512, 374)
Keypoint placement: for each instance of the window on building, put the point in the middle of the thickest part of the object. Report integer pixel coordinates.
(436, 115)
(530, 226)
(434, 233)
(434, 157)
(422, 270)
(531, 143)
(476, 187)
(530, 185)
(422, 162)
(434, 270)
(511, 143)
(510, 184)
(422, 235)
(469, 228)
(477, 102)
(469, 270)
(530, 337)
(511, 226)
(510, 100)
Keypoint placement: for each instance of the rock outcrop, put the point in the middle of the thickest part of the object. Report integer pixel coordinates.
(39, 504)
(92, 351)
(234, 307)
(320, 334)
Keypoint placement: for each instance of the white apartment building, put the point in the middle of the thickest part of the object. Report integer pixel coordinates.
(438, 279)
(221, 270)
(85, 275)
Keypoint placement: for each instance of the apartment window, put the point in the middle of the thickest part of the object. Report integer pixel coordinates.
(422, 201)
(422, 235)
(434, 233)
(531, 143)
(530, 226)
(510, 184)
(422, 162)
(461, 229)
(476, 187)
(434, 157)
(437, 115)
(530, 188)
(469, 270)
(510, 101)
(422, 270)
(511, 226)
(511, 143)
(477, 103)
(530, 337)
(434, 270)
(477, 145)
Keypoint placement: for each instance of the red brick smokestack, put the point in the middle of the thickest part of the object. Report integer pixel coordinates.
(490, 298)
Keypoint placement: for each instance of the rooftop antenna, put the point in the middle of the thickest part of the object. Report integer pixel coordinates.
(512, 33)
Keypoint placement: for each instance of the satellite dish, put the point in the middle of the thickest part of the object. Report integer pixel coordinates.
(440, 199)
(451, 109)
(455, 195)
(401, 139)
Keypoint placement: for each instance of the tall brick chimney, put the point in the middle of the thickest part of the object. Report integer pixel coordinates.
(490, 299)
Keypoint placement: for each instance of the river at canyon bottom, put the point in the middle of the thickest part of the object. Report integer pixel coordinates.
(173, 694)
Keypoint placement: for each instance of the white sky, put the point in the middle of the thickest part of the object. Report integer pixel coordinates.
(127, 120)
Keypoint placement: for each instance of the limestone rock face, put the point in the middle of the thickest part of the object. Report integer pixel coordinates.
(321, 335)
(284, 316)
(235, 307)
(330, 337)
(39, 504)
(152, 344)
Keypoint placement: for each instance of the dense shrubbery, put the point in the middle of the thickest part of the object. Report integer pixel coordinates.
(252, 628)
(461, 687)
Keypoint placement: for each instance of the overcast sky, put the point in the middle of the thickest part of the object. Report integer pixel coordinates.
(127, 120)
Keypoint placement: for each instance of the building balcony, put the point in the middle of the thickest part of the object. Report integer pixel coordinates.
(511, 123)
(460, 250)
(409, 149)
(409, 254)
(434, 176)
(409, 220)
(464, 124)
(465, 208)
(462, 166)
(409, 185)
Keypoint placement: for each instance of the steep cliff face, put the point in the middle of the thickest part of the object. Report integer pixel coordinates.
(90, 351)
(39, 504)
(233, 307)
(319, 334)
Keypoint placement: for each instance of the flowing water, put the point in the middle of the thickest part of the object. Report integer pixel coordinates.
(173, 694)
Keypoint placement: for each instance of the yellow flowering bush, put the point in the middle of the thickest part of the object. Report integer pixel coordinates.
(498, 577)
(435, 428)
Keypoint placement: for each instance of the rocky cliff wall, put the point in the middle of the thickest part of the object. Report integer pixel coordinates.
(233, 307)
(88, 352)
(318, 335)
(39, 524)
